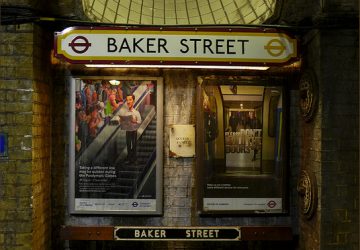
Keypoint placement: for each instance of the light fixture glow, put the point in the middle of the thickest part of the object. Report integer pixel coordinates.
(177, 66)
(114, 82)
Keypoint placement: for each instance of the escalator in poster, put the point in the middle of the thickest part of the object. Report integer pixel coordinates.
(101, 168)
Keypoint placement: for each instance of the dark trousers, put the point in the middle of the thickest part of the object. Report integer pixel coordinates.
(131, 140)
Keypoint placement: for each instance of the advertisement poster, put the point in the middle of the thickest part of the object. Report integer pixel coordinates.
(116, 145)
(242, 140)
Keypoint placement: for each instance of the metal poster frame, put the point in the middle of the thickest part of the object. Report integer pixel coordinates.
(104, 176)
(241, 169)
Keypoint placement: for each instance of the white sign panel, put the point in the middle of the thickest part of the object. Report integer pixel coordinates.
(260, 205)
(182, 141)
(129, 46)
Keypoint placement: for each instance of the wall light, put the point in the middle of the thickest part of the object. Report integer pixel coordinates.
(177, 66)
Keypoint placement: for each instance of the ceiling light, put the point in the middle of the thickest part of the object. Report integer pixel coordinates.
(114, 82)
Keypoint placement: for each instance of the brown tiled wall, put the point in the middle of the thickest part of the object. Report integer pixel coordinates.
(58, 160)
(340, 140)
(16, 88)
(330, 142)
(41, 173)
(41, 140)
(25, 115)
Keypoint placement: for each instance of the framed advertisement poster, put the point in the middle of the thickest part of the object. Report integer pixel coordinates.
(241, 148)
(116, 145)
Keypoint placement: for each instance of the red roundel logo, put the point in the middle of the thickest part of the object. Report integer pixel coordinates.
(271, 204)
(80, 44)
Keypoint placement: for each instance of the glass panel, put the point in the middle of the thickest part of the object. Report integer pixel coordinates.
(158, 14)
(216, 5)
(218, 14)
(134, 17)
(194, 20)
(183, 21)
(159, 5)
(98, 6)
(170, 21)
(207, 19)
(170, 14)
(148, 3)
(136, 7)
(222, 20)
(260, 8)
(109, 15)
(147, 11)
(139, 2)
(191, 5)
(205, 10)
(123, 11)
(256, 11)
(121, 19)
(233, 16)
(115, 140)
(250, 17)
(181, 14)
(112, 5)
(226, 2)
(194, 13)
(169, 6)
(146, 19)
(180, 5)
(158, 20)
(230, 7)
(241, 142)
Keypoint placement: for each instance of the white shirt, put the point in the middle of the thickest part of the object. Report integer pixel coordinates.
(134, 113)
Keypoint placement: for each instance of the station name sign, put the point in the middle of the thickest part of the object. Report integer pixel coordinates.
(177, 233)
(174, 46)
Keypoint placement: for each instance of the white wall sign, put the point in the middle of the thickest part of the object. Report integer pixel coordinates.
(176, 46)
(182, 140)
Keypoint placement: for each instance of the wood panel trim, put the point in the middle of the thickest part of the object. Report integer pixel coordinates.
(87, 233)
(266, 233)
(248, 233)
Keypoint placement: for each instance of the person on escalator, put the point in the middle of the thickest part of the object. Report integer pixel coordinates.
(112, 99)
(94, 122)
(130, 120)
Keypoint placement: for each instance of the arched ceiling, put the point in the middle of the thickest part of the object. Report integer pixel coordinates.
(179, 12)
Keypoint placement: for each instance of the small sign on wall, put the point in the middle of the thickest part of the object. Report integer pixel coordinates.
(177, 233)
(182, 140)
(3, 145)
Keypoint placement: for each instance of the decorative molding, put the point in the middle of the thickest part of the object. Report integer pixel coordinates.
(307, 189)
(309, 95)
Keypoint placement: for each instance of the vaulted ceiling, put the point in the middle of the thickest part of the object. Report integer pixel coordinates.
(179, 12)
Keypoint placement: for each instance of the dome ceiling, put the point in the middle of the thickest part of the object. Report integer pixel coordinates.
(179, 12)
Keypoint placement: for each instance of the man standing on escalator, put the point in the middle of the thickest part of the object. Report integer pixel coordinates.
(130, 121)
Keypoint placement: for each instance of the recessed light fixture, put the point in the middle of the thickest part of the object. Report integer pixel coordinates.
(176, 66)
